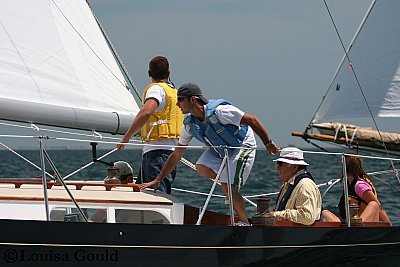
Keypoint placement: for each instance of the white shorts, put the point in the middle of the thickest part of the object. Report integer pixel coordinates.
(240, 164)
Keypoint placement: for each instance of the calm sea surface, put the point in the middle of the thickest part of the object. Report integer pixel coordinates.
(263, 178)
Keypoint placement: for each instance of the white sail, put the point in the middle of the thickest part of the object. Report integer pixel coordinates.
(375, 56)
(56, 68)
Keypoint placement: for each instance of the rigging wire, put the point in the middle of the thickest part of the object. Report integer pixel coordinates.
(330, 183)
(320, 147)
(358, 82)
(25, 159)
(382, 181)
(354, 72)
(126, 73)
(88, 45)
(37, 128)
(117, 57)
(349, 146)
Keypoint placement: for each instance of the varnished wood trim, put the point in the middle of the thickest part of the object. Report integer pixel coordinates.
(86, 200)
(78, 185)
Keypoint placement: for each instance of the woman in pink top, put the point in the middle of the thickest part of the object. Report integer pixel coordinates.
(362, 192)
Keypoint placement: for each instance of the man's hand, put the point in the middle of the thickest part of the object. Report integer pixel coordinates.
(272, 148)
(153, 184)
(121, 146)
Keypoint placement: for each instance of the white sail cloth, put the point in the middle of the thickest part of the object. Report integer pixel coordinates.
(57, 69)
(375, 56)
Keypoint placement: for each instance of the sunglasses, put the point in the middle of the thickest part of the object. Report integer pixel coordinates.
(181, 98)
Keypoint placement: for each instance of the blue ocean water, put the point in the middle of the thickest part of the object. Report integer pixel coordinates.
(263, 178)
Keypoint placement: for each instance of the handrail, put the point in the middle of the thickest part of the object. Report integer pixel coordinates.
(78, 185)
(136, 187)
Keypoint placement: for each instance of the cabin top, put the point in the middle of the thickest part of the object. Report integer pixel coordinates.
(94, 192)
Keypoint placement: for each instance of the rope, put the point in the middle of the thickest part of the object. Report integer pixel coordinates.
(184, 161)
(129, 144)
(262, 195)
(117, 57)
(25, 159)
(354, 135)
(193, 192)
(36, 128)
(203, 210)
(330, 186)
(188, 163)
(333, 181)
(87, 165)
(87, 44)
(358, 82)
(381, 180)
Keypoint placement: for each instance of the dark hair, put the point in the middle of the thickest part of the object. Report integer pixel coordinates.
(159, 68)
(355, 167)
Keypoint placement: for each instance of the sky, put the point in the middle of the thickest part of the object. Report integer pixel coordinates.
(273, 59)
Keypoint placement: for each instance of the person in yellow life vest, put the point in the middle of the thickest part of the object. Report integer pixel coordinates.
(160, 122)
(362, 192)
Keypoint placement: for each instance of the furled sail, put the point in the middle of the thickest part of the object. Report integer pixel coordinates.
(56, 68)
(369, 85)
(375, 56)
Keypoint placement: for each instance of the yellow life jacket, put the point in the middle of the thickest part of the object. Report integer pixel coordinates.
(168, 122)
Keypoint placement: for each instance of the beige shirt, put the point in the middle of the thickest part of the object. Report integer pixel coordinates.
(303, 205)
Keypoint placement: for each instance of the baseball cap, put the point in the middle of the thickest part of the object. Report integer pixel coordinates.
(191, 89)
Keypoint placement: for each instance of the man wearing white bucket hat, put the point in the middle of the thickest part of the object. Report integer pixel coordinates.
(299, 199)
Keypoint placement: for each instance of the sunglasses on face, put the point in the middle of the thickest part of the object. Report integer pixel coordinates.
(181, 98)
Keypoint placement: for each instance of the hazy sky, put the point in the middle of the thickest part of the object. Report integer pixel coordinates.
(273, 59)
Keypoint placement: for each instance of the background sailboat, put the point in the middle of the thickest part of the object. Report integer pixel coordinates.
(366, 84)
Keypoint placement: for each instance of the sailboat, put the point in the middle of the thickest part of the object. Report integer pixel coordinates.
(365, 85)
(58, 68)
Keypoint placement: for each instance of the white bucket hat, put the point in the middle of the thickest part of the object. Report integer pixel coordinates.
(292, 155)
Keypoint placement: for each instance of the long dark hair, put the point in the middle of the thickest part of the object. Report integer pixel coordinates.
(354, 166)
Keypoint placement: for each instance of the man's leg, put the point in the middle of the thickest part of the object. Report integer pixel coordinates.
(238, 202)
(240, 163)
(205, 171)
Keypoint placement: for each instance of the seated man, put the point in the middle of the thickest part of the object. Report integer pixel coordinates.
(125, 172)
(299, 199)
(121, 173)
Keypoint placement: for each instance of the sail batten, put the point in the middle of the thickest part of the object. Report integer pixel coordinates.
(53, 54)
(375, 57)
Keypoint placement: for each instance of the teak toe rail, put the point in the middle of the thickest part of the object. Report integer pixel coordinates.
(78, 185)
